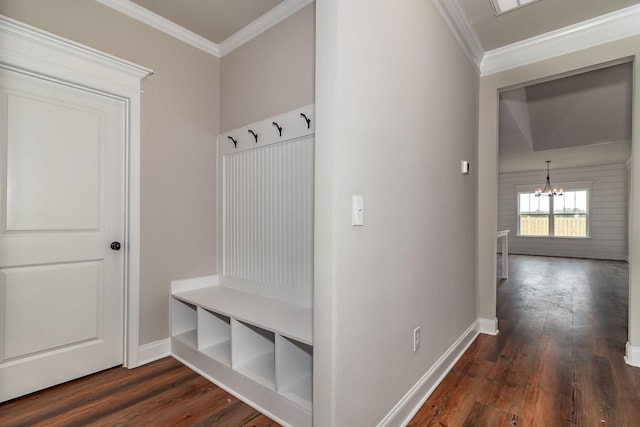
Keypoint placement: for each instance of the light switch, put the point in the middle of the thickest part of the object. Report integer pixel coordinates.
(465, 167)
(357, 210)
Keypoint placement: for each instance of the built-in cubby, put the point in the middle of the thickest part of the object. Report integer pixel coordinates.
(253, 351)
(184, 320)
(214, 335)
(256, 347)
(294, 365)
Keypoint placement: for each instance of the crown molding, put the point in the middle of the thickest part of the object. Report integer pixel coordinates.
(242, 36)
(613, 26)
(461, 28)
(145, 16)
(262, 24)
(17, 41)
(603, 29)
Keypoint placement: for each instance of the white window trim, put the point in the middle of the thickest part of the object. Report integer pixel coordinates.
(566, 186)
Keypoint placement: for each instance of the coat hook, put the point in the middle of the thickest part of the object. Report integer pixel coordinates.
(235, 141)
(308, 120)
(255, 135)
(279, 128)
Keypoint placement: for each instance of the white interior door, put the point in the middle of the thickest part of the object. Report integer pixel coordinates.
(62, 157)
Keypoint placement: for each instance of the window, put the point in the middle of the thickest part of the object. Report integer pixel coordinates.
(534, 215)
(504, 6)
(559, 216)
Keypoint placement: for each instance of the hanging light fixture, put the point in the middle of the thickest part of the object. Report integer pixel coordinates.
(548, 190)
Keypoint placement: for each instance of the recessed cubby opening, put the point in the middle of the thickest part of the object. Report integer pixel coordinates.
(294, 371)
(214, 335)
(253, 352)
(184, 322)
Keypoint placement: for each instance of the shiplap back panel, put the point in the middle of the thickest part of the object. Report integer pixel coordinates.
(266, 209)
(608, 213)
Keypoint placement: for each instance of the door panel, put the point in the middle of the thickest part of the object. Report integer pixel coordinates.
(62, 157)
(47, 188)
(39, 314)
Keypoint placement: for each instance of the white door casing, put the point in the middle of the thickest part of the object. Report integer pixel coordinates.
(113, 86)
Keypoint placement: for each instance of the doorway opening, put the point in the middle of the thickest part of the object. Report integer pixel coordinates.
(582, 122)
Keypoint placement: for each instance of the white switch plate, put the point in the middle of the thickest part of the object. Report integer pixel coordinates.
(357, 210)
(416, 339)
(464, 168)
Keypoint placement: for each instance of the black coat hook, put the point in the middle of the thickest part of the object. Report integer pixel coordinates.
(235, 141)
(255, 135)
(279, 128)
(308, 120)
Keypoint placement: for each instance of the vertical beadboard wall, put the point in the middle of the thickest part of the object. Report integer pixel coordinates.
(266, 209)
(608, 213)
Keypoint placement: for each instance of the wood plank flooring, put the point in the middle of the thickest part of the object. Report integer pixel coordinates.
(163, 393)
(558, 359)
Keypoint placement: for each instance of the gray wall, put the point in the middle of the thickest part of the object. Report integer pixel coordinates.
(271, 74)
(607, 216)
(183, 104)
(179, 124)
(396, 104)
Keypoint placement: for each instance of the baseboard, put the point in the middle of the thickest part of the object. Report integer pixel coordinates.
(153, 351)
(632, 355)
(409, 405)
(488, 326)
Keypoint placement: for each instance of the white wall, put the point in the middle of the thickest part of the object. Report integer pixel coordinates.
(607, 212)
(396, 109)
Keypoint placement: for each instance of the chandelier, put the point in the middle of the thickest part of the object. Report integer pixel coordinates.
(548, 190)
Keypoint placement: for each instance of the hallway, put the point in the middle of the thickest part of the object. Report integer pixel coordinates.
(558, 359)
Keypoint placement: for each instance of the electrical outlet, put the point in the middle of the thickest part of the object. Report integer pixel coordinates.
(416, 339)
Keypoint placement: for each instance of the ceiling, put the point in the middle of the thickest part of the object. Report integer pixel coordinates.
(575, 121)
(533, 19)
(580, 120)
(215, 20)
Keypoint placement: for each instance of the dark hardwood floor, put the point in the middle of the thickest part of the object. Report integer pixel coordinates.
(558, 361)
(163, 393)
